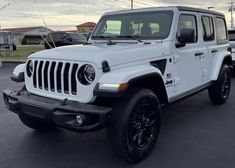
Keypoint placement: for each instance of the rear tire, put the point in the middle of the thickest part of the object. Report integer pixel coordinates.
(36, 124)
(135, 124)
(219, 91)
(233, 71)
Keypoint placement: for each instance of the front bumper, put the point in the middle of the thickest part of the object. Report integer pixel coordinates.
(61, 113)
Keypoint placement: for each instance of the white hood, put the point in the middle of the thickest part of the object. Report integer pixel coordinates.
(116, 54)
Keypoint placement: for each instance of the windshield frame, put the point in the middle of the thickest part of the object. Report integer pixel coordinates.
(121, 37)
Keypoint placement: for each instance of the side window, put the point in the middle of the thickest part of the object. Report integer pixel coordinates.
(208, 28)
(222, 35)
(187, 22)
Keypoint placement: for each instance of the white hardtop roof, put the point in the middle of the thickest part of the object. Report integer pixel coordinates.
(173, 8)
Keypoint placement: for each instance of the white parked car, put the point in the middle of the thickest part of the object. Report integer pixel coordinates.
(231, 34)
(137, 62)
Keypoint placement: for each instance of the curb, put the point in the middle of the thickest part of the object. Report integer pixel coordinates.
(3, 63)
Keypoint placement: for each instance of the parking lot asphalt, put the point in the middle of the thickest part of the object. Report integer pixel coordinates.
(194, 134)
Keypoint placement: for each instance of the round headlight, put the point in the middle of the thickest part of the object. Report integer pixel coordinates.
(89, 73)
(29, 68)
(86, 74)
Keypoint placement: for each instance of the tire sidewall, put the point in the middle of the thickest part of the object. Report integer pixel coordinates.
(144, 152)
(119, 129)
(215, 91)
(224, 69)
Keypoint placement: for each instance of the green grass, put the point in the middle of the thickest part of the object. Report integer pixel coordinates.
(21, 53)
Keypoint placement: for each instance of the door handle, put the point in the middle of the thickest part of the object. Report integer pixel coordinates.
(199, 53)
(214, 51)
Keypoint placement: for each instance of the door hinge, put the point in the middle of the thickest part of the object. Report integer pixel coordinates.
(176, 59)
(176, 81)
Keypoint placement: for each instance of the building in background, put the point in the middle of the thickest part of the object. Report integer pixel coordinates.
(86, 27)
(29, 35)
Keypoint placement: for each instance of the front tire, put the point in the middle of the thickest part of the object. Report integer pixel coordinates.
(135, 124)
(219, 91)
(36, 124)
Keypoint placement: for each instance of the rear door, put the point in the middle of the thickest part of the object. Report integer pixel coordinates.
(210, 44)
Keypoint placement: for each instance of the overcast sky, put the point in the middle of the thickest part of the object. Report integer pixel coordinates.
(66, 14)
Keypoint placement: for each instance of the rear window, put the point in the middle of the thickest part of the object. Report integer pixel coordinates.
(56, 35)
(231, 35)
(222, 36)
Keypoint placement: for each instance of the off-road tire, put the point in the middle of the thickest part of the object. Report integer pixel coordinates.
(36, 124)
(135, 120)
(219, 91)
(233, 71)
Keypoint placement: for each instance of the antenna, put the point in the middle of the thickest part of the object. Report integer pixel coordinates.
(44, 22)
(27, 18)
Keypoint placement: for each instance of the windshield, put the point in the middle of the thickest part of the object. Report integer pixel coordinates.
(144, 25)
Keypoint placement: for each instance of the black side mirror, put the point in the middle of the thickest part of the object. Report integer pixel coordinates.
(186, 36)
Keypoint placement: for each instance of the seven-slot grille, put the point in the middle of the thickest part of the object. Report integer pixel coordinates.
(54, 76)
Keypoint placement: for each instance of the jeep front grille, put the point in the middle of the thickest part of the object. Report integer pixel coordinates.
(54, 76)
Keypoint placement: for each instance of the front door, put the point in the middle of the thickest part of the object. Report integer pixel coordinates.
(187, 59)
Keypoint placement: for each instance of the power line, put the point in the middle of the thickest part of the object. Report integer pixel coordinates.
(21, 12)
(27, 18)
(143, 3)
(133, 3)
(123, 2)
(39, 11)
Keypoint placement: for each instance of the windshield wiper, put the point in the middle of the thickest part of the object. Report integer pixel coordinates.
(137, 38)
(108, 38)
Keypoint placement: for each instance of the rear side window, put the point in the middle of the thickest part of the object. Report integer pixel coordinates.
(187, 22)
(222, 36)
(208, 28)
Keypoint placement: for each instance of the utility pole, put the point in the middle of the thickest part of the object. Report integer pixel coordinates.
(132, 4)
(231, 11)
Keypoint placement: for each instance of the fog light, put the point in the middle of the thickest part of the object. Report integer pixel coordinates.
(80, 119)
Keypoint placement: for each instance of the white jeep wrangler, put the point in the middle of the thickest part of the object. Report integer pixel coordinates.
(137, 61)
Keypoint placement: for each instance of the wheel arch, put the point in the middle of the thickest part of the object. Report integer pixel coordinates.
(221, 61)
(145, 76)
(228, 61)
(152, 81)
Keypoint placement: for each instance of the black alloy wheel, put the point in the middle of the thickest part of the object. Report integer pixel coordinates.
(135, 124)
(220, 89)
